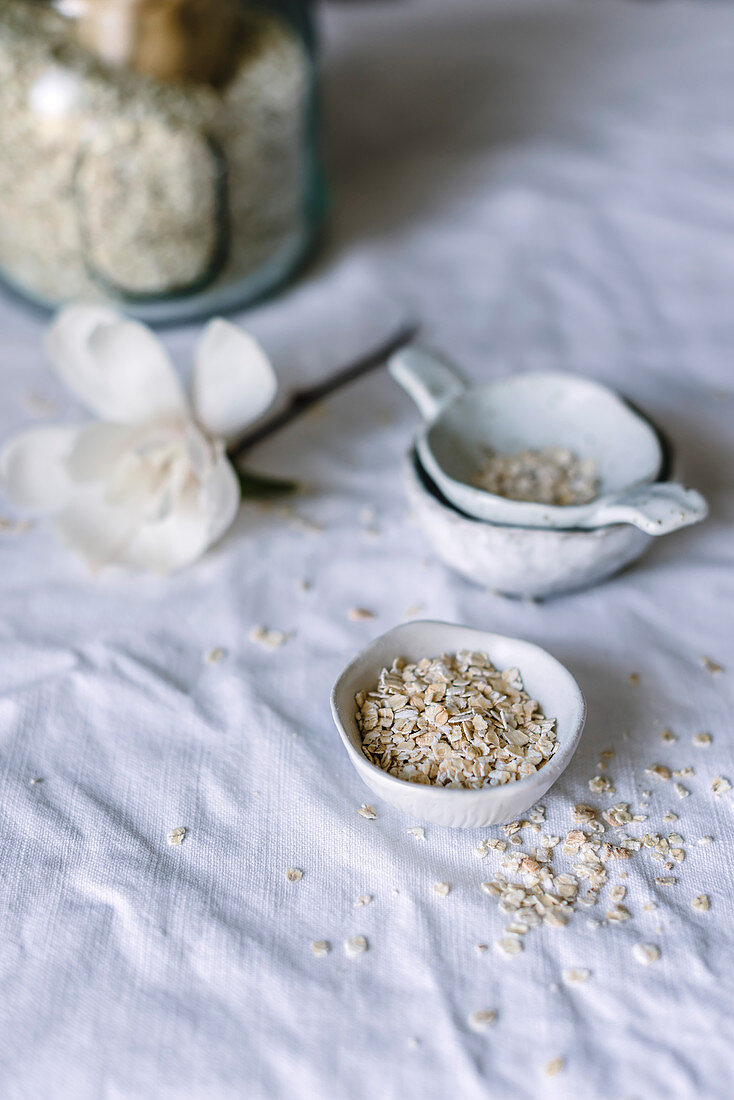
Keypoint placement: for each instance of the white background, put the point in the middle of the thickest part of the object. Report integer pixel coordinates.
(541, 185)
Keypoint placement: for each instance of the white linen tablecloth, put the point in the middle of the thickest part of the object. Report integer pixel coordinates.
(541, 185)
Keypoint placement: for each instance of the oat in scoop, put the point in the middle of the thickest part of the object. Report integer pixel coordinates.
(554, 475)
(454, 721)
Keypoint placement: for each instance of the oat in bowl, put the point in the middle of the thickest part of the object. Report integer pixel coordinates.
(448, 768)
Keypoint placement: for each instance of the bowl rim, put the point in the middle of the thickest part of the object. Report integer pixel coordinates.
(554, 768)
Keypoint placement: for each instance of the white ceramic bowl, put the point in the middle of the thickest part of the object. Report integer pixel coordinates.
(545, 679)
(518, 561)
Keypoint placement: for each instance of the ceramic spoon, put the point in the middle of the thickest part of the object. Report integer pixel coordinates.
(536, 410)
(656, 508)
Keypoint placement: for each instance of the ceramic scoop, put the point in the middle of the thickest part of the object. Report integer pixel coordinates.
(535, 411)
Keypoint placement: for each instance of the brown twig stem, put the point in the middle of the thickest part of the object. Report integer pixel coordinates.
(302, 400)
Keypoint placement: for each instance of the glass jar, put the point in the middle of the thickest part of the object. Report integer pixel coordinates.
(159, 154)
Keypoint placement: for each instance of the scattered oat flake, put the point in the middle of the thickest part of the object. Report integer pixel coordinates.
(582, 814)
(573, 974)
(554, 1067)
(670, 816)
(720, 785)
(668, 736)
(618, 815)
(618, 914)
(442, 888)
(600, 785)
(176, 836)
(482, 1019)
(360, 614)
(701, 902)
(214, 656)
(634, 677)
(510, 945)
(368, 812)
(418, 832)
(705, 840)
(355, 945)
(33, 782)
(489, 844)
(15, 526)
(294, 874)
(268, 639)
(710, 666)
(646, 953)
(702, 740)
(320, 948)
(413, 610)
(362, 900)
(666, 880)
(660, 771)
(680, 790)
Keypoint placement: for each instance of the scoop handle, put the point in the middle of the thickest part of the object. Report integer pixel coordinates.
(427, 378)
(656, 509)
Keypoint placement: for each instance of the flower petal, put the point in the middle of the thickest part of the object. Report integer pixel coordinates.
(173, 542)
(33, 468)
(221, 492)
(201, 452)
(67, 343)
(96, 530)
(98, 448)
(118, 368)
(233, 381)
(199, 517)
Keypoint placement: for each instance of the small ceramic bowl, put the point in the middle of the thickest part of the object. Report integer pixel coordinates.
(527, 562)
(545, 679)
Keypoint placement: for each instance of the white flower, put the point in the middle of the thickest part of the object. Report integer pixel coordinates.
(148, 485)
